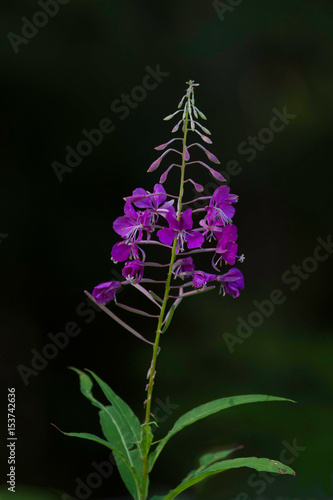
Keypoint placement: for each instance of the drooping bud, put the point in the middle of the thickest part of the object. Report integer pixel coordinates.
(212, 157)
(166, 118)
(155, 164)
(176, 127)
(165, 174)
(187, 154)
(163, 146)
(217, 175)
(201, 114)
(198, 187)
(204, 137)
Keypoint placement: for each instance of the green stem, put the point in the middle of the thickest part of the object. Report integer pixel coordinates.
(164, 304)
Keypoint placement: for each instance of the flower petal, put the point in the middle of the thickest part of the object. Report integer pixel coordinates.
(166, 235)
(194, 239)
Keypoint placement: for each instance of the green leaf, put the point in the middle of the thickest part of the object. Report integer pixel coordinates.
(86, 386)
(113, 429)
(209, 459)
(90, 437)
(118, 426)
(130, 468)
(130, 422)
(205, 410)
(259, 464)
(130, 480)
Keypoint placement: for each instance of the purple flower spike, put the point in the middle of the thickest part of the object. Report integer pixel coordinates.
(183, 268)
(133, 271)
(232, 282)
(200, 279)
(132, 225)
(181, 229)
(105, 292)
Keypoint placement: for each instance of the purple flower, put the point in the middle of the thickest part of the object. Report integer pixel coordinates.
(133, 270)
(182, 230)
(220, 207)
(156, 204)
(232, 282)
(183, 268)
(200, 279)
(226, 247)
(132, 225)
(122, 251)
(213, 228)
(104, 292)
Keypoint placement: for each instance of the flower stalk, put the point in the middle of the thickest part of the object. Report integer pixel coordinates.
(164, 304)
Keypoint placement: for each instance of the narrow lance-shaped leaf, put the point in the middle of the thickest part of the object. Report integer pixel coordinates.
(128, 472)
(258, 464)
(205, 410)
(128, 417)
(91, 437)
(128, 467)
(119, 427)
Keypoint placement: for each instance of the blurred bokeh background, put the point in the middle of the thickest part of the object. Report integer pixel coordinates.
(252, 60)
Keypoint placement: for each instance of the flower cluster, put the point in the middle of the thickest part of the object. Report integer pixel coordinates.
(158, 219)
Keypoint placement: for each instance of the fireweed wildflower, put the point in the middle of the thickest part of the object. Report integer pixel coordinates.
(160, 221)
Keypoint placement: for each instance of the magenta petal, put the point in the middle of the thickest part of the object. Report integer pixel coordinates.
(120, 252)
(200, 279)
(166, 235)
(104, 292)
(220, 194)
(172, 221)
(123, 225)
(159, 199)
(194, 239)
(187, 222)
(129, 210)
(232, 281)
(142, 202)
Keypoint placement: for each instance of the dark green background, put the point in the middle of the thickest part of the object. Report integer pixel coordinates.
(264, 55)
